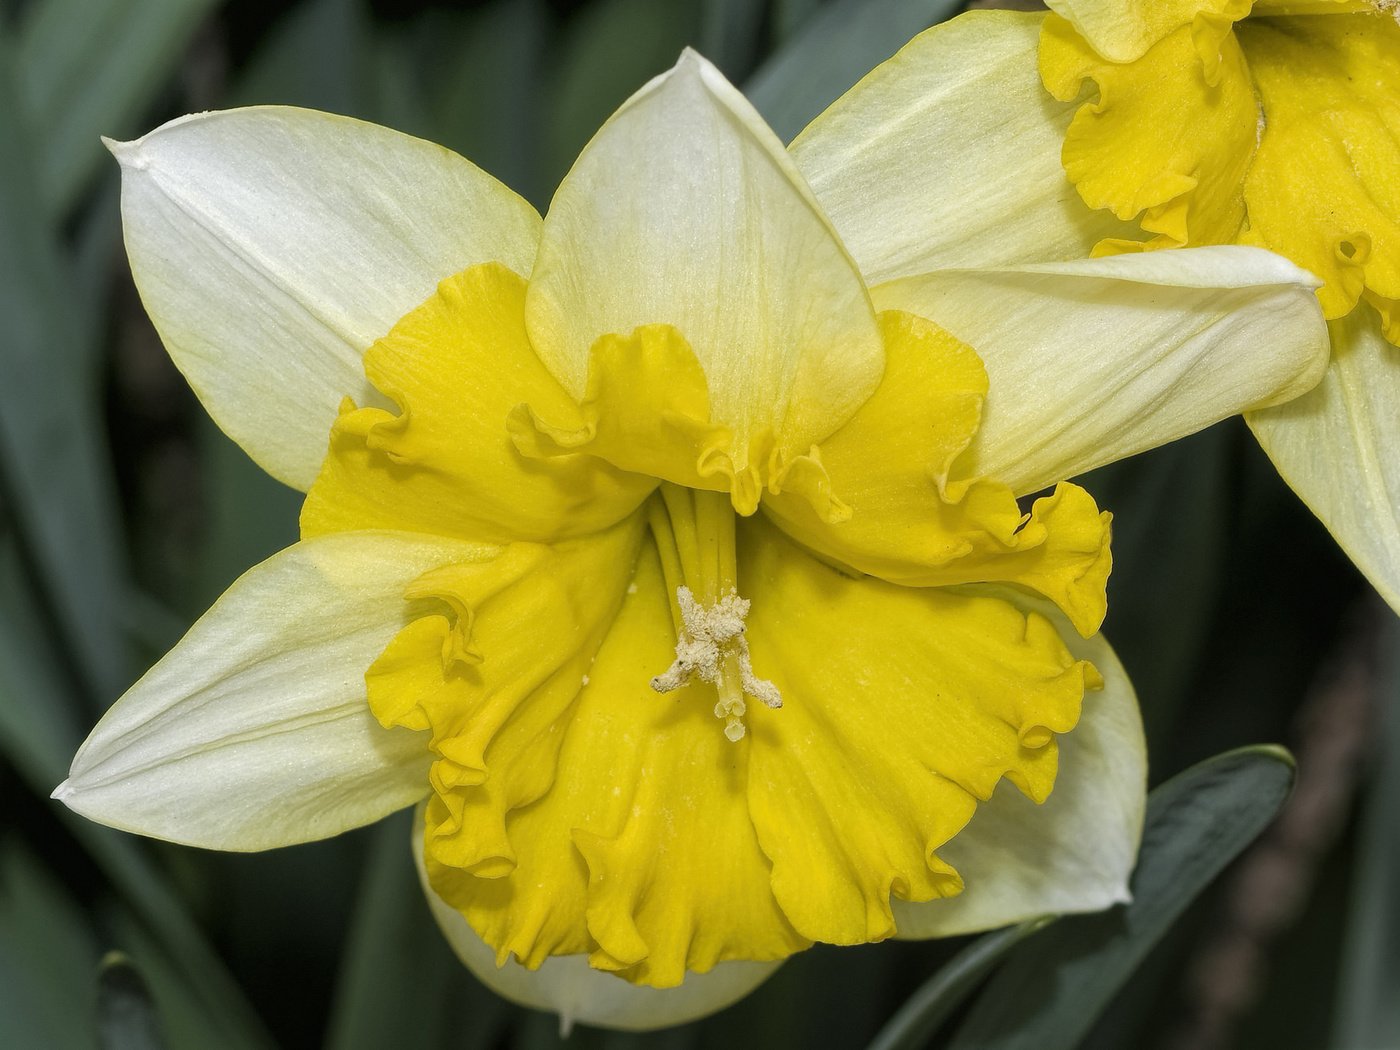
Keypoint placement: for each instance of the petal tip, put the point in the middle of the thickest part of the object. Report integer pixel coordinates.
(126, 153)
(63, 792)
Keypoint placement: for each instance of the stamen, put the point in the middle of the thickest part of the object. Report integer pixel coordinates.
(711, 646)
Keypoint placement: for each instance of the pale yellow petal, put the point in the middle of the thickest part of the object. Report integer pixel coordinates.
(685, 210)
(1339, 448)
(272, 245)
(1096, 360)
(949, 155)
(253, 731)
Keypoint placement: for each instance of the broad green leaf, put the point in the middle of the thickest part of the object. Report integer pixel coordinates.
(789, 16)
(88, 69)
(47, 956)
(126, 1016)
(835, 48)
(399, 983)
(925, 1011)
(1368, 1010)
(53, 465)
(1051, 990)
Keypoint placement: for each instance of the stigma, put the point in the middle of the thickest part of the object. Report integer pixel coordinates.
(711, 646)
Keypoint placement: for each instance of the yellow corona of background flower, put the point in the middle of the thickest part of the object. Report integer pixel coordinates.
(1277, 124)
(668, 547)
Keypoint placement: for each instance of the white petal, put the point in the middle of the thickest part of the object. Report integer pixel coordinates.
(272, 246)
(1073, 853)
(254, 731)
(1096, 360)
(1339, 448)
(949, 155)
(568, 986)
(685, 210)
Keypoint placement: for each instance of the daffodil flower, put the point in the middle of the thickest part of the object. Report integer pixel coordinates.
(667, 549)
(1274, 123)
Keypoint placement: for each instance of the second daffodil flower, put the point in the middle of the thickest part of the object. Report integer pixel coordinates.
(675, 554)
(1274, 123)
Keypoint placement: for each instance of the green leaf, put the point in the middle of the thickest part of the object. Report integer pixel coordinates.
(729, 34)
(925, 1011)
(126, 1016)
(835, 48)
(54, 474)
(86, 70)
(1051, 990)
(1368, 1010)
(47, 955)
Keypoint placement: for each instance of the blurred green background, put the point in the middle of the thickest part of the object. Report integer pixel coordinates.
(124, 513)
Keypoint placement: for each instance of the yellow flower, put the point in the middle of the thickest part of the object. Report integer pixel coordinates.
(1275, 124)
(665, 546)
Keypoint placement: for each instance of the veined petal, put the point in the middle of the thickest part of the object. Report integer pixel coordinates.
(1323, 189)
(253, 731)
(568, 986)
(685, 210)
(1123, 30)
(641, 852)
(456, 367)
(902, 707)
(1075, 851)
(949, 155)
(1169, 138)
(271, 246)
(1339, 448)
(1096, 360)
(906, 522)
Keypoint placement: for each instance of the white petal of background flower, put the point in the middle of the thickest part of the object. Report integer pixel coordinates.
(686, 210)
(1339, 448)
(1073, 853)
(254, 731)
(1099, 359)
(272, 246)
(568, 986)
(949, 155)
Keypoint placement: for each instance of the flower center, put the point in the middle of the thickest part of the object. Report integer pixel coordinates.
(694, 531)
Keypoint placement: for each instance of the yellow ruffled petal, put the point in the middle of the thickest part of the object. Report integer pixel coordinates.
(902, 707)
(491, 666)
(1170, 136)
(911, 521)
(1324, 189)
(642, 852)
(445, 464)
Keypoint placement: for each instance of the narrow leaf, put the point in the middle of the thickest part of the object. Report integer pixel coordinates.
(923, 1012)
(1050, 991)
